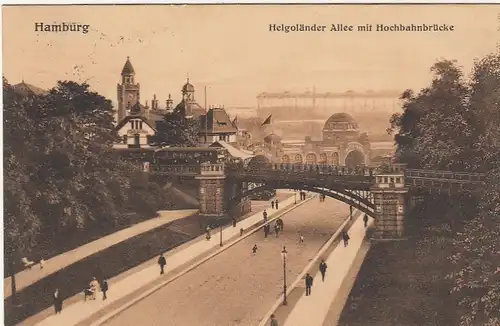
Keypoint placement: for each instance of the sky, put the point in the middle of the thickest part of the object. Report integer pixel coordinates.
(230, 50)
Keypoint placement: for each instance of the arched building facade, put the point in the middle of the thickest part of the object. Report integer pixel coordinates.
(342, 144)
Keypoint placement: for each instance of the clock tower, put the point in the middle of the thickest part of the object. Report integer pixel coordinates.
(128, 91)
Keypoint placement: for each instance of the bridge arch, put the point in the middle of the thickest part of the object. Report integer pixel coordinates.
(297, 158)
(285, 159)
(362, 203)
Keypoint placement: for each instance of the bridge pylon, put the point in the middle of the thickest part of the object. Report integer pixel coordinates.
(211, 192)
(389, 196)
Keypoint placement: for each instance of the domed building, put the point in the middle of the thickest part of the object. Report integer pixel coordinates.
(343, 144)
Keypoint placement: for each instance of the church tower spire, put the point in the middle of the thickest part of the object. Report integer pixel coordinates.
(128, 91)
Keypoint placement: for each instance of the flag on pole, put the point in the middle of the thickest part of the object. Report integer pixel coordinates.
(267, 121)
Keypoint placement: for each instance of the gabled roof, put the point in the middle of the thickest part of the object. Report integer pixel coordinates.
(26, 89)
(218, 122)
(127, 68)
(130, 117)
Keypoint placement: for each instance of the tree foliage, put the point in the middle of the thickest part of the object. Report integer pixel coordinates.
(178, 130)
(62, 174)
(454, 124)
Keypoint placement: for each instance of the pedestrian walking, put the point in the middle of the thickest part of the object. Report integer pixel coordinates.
(274, 322)
(58, 301)
(42, 263)
(264, 214)
(266, 230)
(322, 269)
(309, 284)
(104, 288)
(280, 223)
(276, 229)
(209, 235)
(162, 262)
(94, 287)
(254, 249)
(276, 203)
(365, 219)
(272, 204)
(241, 232)
(345, 237)
(234, 222)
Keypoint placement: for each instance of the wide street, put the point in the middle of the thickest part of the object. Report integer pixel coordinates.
(235, 287)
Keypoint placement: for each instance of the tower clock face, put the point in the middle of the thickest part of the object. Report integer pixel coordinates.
(131, 97)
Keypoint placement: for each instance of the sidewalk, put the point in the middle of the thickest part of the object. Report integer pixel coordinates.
(312, 310)
(29, 276)
(81, 310)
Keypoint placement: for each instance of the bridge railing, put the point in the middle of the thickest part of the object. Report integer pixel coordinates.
(176, 169)
(447, 175)
(321, 169)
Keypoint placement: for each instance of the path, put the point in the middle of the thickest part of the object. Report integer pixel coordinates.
(236, 287)
(80, 311)
(52, 265)
(312, 310)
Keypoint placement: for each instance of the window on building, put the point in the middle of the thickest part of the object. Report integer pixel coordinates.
(131, 124)
(136, 140)
(140, 125)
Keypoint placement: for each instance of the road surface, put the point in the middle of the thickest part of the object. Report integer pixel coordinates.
(235, 287)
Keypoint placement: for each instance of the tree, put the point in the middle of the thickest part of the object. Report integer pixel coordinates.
(177, 130)
(477, 269)
(21, 223)
(435, 128)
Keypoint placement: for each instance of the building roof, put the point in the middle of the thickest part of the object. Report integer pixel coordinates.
(190, 108)
(340, 117)
(233, 151)
(188, 87)
(130, 117)
(127, 68)
(26, 89)
(218, 122)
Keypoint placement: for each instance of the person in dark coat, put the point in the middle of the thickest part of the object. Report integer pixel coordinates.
(254, 249)
(309, 284)
(280, 223)
(104, 288)
(162, 262)
(266, 230)
(345, 237)
(234, 222)
(322, 269)
(276, 203)
(276, 229)
(264, 214)
(58, 301)
(365, 219)
(272, 204)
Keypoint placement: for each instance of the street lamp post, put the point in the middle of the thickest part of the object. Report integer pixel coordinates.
(220, 235)
(284, 254)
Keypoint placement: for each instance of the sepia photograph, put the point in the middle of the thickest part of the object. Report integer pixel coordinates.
(251, 165)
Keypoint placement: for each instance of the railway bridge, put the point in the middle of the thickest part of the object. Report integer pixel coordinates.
(385, 193)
